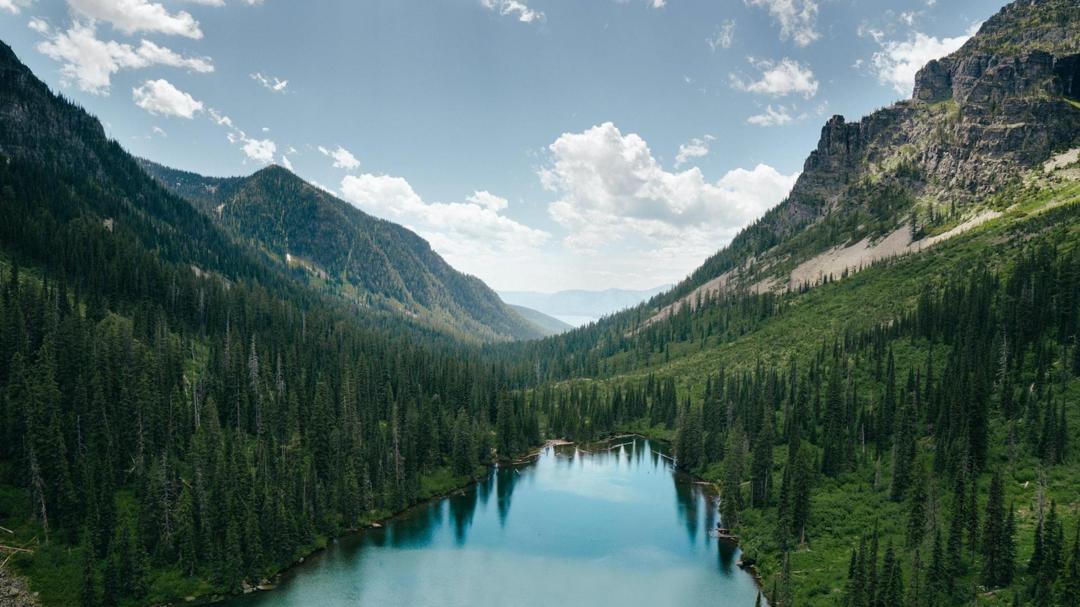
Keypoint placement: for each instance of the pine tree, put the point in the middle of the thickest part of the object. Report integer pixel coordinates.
(88, 593)
(997, 567)
(916, 511)
(761, 466)
(1067, 587)
(903, 452)
(730, 486)
(690, 441)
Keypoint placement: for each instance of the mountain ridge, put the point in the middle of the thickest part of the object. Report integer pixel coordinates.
(977, 119)
(369, 261)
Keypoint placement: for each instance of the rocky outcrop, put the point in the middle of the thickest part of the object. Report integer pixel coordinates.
(14, 592)
(977, 121)
(1007, 91)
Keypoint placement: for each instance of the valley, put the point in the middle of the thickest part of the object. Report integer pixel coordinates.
(211, 385)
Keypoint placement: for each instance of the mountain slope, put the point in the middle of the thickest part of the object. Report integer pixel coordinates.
(1001, 105)
(369, 261)
(548, 325)
(882, 375)
(179, 418)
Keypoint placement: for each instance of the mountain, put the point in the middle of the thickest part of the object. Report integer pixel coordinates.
(369, 261)
(549, 325)
(581, 306)
(911, 175)
(881, 375)
(180, 415)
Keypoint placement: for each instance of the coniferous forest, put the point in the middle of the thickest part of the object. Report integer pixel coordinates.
(186, 411)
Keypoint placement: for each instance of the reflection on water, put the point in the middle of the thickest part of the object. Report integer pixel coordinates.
(613, 525)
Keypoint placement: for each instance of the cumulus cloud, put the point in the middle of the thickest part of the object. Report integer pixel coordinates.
(161, 98)
(723, 37)
(695, 148)
(771, 117)
(89, 62)
(472, 235)
(260, 150)
(516, 9)
(797, 18)
(285, 162)
(898, 60)
(779, 79)
(272, 83)
(14, 6)
(133, 16)
(343, 159)
(610, 188)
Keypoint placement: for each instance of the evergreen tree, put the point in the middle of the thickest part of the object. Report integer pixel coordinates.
(997, 568)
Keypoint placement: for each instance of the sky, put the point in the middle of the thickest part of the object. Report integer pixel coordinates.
(538, 144)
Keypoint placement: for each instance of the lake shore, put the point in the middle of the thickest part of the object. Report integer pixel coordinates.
(588, 448)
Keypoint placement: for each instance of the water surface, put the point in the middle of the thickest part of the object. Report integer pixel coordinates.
(616, 527)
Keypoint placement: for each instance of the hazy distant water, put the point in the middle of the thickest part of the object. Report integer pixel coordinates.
(618, 528)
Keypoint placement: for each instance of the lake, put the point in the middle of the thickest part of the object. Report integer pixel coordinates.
(616, 527)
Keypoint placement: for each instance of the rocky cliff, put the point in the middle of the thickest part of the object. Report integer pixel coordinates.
(977, 122)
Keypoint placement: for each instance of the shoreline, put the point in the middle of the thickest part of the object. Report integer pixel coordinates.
(276, 579)
(376, 523)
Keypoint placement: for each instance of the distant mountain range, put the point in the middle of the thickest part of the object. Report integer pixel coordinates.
(369, 261)
(579, 306)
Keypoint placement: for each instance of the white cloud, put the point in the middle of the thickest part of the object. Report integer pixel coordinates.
(695, 148)
(898, 61)
(14, 6)
(132, 16)
(160, 132)
(260, 150)
(779, 79)
(272, 83)
(285, 162)
(161, 98)
(488, 200)
(89, 62)
(472, 235)
(612, 189)
(797, 18)
(724, 36)
(771, 117)
(514, 8)
(343, 159)
(220, 3)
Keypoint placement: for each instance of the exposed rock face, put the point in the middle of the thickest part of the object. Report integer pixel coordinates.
(1007, 110)
(1004, 103)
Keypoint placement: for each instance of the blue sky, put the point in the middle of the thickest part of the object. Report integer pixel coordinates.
(538, 144)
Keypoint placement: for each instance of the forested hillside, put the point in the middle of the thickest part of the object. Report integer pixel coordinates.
(178, 417)
(335, 246)
(899, 427)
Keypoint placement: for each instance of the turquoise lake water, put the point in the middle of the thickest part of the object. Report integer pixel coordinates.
(616, 527)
